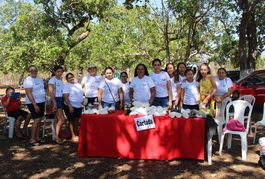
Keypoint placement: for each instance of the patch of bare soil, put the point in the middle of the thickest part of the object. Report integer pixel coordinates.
(20, 160)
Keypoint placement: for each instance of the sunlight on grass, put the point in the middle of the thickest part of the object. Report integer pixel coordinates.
(24, 156)
(124, 167)
(79, 164)
(45, 174)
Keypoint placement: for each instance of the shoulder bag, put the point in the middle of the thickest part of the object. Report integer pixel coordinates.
(117, 104)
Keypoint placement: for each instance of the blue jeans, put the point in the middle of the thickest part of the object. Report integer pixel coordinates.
(104, 104)
(59, 102)
(163, 101)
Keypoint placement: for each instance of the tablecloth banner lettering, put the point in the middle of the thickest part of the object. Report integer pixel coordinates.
(144, 122)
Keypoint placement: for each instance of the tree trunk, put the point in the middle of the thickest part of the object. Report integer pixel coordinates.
(252, 43)
(242, 43)
(187, 54)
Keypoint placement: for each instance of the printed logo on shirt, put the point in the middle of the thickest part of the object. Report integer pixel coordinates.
(144, 84)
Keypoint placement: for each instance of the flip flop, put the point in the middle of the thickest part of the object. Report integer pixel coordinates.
(75, 139)
(34, 144)
(59, 141)
(40, 141)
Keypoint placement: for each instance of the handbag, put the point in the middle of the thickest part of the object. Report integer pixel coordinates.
(49, 108)
(234, 125)
(49, 105)
(85, 101)
(65, 134)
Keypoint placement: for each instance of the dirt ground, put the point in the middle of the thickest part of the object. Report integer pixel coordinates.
(20, 160)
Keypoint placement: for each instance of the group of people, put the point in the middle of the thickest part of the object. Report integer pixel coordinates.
(64, 97)
(167, 87)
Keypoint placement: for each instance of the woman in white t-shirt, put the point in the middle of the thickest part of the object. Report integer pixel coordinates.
(91, 83)
(142, 87)
(55, 88)
(224, 85)
(125, 87)
(35, 100)
(189, 91)
(175, 83)
(181, 68)
(162, 84)
(73, 98)
(110, 93)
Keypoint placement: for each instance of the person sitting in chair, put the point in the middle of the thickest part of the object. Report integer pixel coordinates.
(13, 109)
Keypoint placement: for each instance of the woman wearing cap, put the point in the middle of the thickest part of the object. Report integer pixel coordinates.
(91, 83)
(110, 92)
(35, 99)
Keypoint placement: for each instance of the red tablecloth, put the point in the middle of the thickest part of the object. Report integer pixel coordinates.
(115, 135)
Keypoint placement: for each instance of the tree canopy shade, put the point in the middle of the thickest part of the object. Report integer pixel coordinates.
(74, 18)
(24, 40)
(51, 31)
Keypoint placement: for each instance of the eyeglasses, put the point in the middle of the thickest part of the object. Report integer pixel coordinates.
(156, 64)
(33, 71)
(124, 76)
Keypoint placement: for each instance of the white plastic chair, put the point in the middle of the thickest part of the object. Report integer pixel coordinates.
(220, 116)
(262, 123)
(47, 118)
(251, 99)
(11, 121)
(239, 109)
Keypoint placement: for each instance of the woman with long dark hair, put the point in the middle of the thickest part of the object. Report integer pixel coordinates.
(55, 88)
(142, 87)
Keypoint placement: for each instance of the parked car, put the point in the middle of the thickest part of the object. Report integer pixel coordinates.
(253, 84)
(234, 75)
